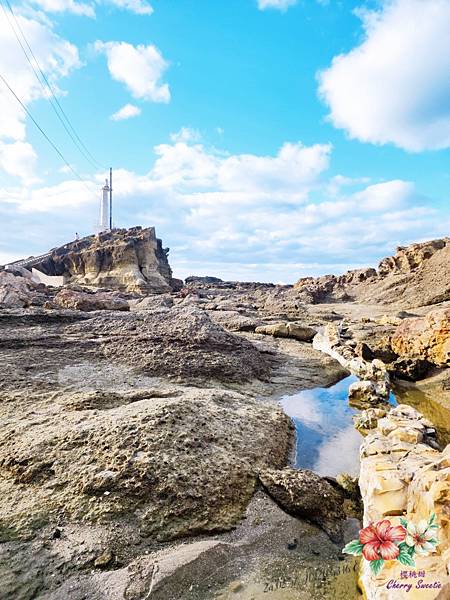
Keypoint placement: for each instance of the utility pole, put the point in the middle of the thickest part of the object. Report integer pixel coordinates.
(110, 200)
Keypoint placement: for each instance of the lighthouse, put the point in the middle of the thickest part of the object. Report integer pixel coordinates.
(104, 208)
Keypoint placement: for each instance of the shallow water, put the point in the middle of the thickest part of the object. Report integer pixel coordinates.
(327, 441)
(431, 397)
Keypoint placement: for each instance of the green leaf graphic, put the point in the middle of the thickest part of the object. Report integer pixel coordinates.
(376, 566)
(406, 559)
(404, 522)
(432, 519)
(354, 547)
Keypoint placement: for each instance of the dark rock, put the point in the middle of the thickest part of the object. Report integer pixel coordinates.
(410, 369)
(302, 493)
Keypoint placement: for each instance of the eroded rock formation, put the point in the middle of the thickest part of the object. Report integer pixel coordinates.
(402, 476)
(425, 337)
(417, 275)
(122, 259)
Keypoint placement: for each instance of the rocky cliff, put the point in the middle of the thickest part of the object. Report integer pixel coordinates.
(130, 260)
(417, 275)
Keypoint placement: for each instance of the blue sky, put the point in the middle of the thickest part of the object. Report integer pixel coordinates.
(265, 139)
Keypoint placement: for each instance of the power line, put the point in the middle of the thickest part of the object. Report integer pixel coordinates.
(68, 127)
(43, 133)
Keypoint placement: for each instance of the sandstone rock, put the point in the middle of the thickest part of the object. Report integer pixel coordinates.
(233, 320)
(363, 394)
(425, 337)
(19, 292)
(194, 279)
(152, 302)
(179, 342)
(171, 466)
(410, 369)
(302, 493)
(127, 260)
(368, 419)
(19, 271)
(289, 330)
(401, 475)
(416, 275)
(328, 340)
(68, 298)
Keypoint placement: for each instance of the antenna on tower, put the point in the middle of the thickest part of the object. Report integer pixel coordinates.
(110, 199)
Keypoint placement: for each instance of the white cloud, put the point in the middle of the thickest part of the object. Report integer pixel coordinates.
(394, 86)
(139, 7)
(57, 58)
(60, 6)
(186, 134)
(248, 216)
(282, 5)
(18, 159)
(126, 112)
(140, 68)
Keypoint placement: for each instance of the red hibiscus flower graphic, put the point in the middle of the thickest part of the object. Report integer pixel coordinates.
(379, 539)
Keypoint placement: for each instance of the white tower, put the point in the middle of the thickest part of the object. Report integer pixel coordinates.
(104, 208)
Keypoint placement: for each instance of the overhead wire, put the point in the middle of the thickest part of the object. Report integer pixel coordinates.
(60, 154)
(45, 84)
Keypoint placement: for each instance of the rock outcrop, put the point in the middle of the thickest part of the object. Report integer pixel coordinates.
(288, 330)
(130, 260)
(18, 292)
(424, 338)
(183, 463)
(374, 385)
(180, 342)
(417, 275)
(403, 477)
(78, 300)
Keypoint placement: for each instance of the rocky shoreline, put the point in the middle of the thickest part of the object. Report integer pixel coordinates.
(143, 453)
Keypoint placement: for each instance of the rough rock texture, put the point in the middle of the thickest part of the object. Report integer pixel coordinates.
(152, 302)
(302, 493)
(425, 337)
(402, 475)
(123, 259)
(417, 275)
(18, 292)
(175, 465)
(234, 320)
(75, 300)
(374, 386)
(178, 342)
(289, 330)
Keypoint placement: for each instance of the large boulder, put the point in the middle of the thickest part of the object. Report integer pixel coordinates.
(76, 300)
(425, 337)
(179, 342)
(288, 330)
(169, 466)
(304, 494)
(19, 292)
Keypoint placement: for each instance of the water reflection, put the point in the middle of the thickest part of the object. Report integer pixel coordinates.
(327, 442)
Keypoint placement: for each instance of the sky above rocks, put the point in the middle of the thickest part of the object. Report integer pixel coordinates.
(264, 139)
